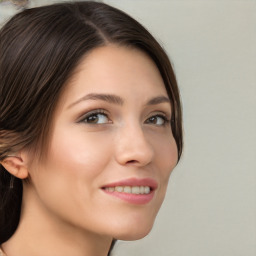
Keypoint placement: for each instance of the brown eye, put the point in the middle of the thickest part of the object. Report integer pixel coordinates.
(158, 120)
(95, 118)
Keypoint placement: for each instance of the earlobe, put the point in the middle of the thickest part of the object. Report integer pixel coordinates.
(15, 166)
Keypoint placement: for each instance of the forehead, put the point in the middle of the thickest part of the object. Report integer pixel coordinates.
(116, 70)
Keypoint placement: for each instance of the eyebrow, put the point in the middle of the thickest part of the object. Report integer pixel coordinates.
(158, 100)
(110, 98)
(114, 99)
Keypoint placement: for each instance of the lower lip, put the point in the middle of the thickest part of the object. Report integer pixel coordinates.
(132, 198)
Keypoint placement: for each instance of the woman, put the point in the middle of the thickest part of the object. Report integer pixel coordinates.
(90, 130)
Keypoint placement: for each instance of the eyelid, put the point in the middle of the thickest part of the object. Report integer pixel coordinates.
(164, 114)
(160, 114)
(157, 113)
(92, 112)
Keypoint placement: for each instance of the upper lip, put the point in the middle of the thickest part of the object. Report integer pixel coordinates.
(134, 182)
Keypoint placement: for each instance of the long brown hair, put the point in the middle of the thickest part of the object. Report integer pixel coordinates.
(39, 50)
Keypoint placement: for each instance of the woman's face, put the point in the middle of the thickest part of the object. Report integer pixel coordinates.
(111, 147)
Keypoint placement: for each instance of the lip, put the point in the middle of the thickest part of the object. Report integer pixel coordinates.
(133, 198)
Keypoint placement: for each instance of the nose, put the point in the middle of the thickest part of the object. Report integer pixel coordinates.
(133, 147)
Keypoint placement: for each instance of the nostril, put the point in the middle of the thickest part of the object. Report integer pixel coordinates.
(131, 161)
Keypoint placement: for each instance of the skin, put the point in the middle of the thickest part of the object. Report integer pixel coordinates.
(64, 210)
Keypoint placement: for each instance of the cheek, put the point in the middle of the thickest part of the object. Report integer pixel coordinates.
(80, 152)
(71, 173)
(73, 166)
(166, 156)
(166, 161)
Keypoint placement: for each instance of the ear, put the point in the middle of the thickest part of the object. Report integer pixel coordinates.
(16, 166)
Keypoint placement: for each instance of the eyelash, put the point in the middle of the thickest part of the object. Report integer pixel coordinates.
(91, 114)
(94, 113)
(165, 119)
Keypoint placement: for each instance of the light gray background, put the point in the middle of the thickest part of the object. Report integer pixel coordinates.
(210, 208)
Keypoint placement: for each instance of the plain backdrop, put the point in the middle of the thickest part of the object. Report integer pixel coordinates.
(210, 207)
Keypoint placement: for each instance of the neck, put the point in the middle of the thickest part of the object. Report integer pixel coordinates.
(41, 233)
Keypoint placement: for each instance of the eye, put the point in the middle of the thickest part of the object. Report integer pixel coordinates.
(95, 117)
(159, 120)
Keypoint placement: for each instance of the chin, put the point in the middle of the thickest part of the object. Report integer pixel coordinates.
(133, 233)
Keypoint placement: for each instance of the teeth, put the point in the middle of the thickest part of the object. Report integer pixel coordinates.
(127, 189)
(111, 189)
(136, 190)
(119, 189)
(130, 190)
(147, 190)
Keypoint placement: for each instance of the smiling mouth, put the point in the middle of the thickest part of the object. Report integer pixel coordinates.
(136, 195)
(136, 190)
(133, 191)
